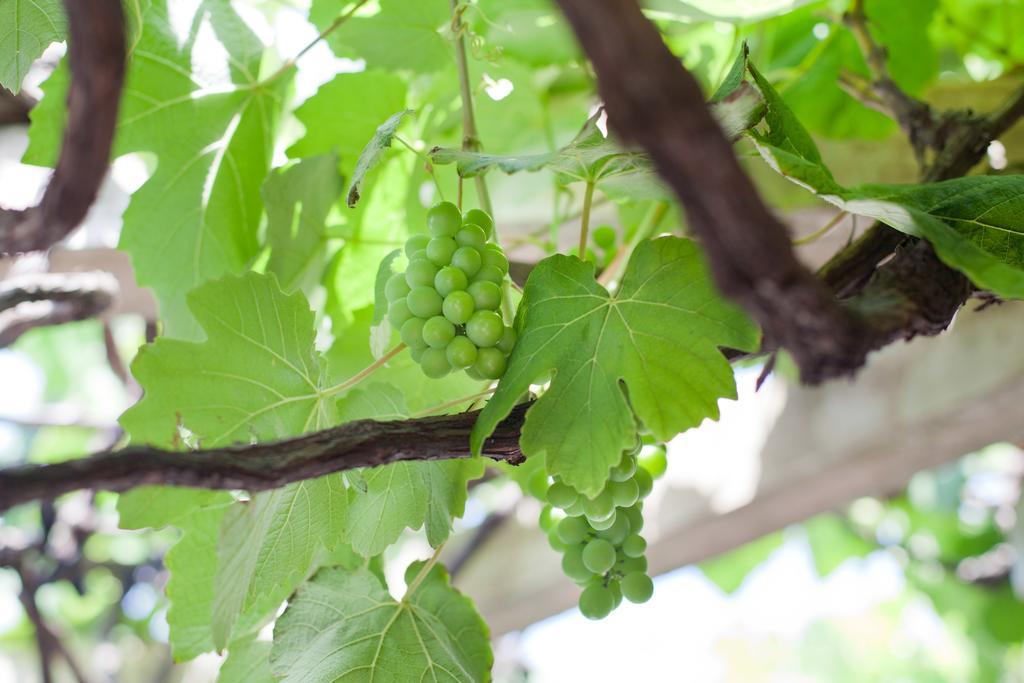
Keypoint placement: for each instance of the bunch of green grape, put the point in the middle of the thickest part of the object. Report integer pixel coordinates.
(446, 303)
(599, 538)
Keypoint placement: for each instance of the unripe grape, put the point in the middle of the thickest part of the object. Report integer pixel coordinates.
(424, 302)
(483, 329)
(440, 250)
(444, 219)
(600, 507)
(396, 287)
(624, 493)
(434, 363)
(461, 352)
(637, 587)
(596, 602)
(561, 496)
(473, 374)
(471, 236)
(555, 542)
(604, 236)
(490, 363)
(643, 481)
(420, 273)
(450, 279)
(537, 484)
(616, 589)
(458, 307)
(635, 517)
(544, 520)
(654, 461)
(415, 245)
(617, 532)
(603, 524)
(573, 530)
(633, 564)
(489, 273)
(438, 332)
(494, 256)
(624, 470)
(507, 341)
(398, 313)
(634, 546)
(598, 555)
(468, 260)
(412, 333)
(480, 218)
(486, 295)
(573, 565)
(576, 509)
(416, 352)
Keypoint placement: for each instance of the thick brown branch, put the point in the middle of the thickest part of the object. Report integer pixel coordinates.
(40, 299)
(97, 55)
(258, 467)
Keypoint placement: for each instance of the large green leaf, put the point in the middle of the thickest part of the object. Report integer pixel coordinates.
(28, 28)
(249, 662)
(344, 626)
(651, 348)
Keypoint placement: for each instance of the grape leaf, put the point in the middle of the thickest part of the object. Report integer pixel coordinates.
(298, 198)
(29, 27)
(248, 662)
(531, 31)
(728, 571)
(902, 27)
(344, 626)
(651, 345)
(402, 495)
(373, 152)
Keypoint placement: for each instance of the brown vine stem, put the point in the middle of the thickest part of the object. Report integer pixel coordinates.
(470, 137)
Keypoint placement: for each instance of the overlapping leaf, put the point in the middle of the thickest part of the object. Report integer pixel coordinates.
(373, 152)
(27, 27)
(344, 626)
(649, 349)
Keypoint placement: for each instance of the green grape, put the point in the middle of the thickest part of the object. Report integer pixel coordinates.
(616, 588)
(420, 272)
(480, 218)
(412, 333)
(637, 587)
(634, 546)
(604, 236)
(458, 307)
(468, 260)
(573, 565)
(438, 332)
(573, 530)
(471, 236)
(490, 363)
(416, 352)
(444, 219)
(576, 509)
(415, 245)
(603, 524)
(486, 295)
(624, 493)
(507, 341)
(398, 313)
(494, 256)
(396, 287)
(489, 273)
(434, 363)
(555, 542)
(537, 486)
(561, 495)
(633, 564)
(450, 279)
(599, 555)
(635, 517)
(596, 601)
(473, 374)
(617, 532)
(424, 302)
(655, 461)
(624, 470)
(643, 481)
(484, 328)
(440, 250)
(600, 508)
(461, 352)
(544, 519)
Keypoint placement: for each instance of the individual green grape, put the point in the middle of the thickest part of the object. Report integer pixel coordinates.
(489, 273)
(573, 530)
(561, 496)
(596, 601)
(480, 218)
(615, 586)
(617, 532)
(486, 295)
(471, 236)
(654, 461)
(416, 352)
(444, 219)
(507, 341)
(473, 374)
(624, 493)
(440, 250)
(545, 519)
(415, 245)
(412, 333)
(420, 272)
(576, 509)
(598, 555)
(458, 307)
(573, 565)
(600, 507)
(634, 546)
(603, 524)
(637, 587)
(555, 542)
(438, 332)
(450, 279)
(633, 564)
(468, 260)
(604, 236)
(643, 481)
(635, 516)
(484, 328)
(494, 256)
(398, 313)
(624, 470)
(461, 352)
(424, 302)
(490, 363)
(396, 287)
(434, 363)
(537, 486)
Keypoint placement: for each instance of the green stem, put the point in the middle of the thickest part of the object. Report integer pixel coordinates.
(646, 229)
(821, 232)
(424, 570)
(470, 137)
(364, 373)
(588, 198)
(427, 163)
(335, 25)
(455, 402)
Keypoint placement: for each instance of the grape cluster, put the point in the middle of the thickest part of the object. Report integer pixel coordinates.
(446, 303)
(599, 538)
